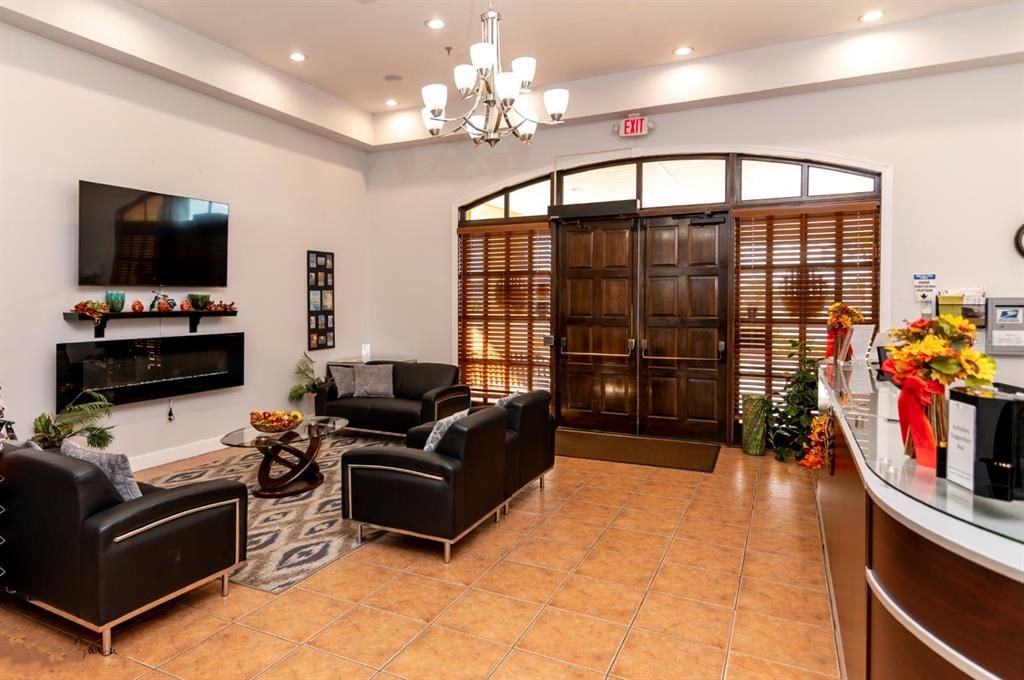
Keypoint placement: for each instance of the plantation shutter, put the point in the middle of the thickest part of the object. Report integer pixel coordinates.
(791, 264)
(504, 308)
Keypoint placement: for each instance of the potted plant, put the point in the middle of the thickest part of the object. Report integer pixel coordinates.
(77, 418)
(309, 382)
(790, 423)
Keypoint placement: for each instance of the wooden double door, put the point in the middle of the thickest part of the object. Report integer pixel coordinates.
(641, 324)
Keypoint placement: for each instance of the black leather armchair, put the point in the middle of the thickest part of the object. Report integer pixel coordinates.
(529, 439)
(441, 495)
(74, 548)
(423, 392)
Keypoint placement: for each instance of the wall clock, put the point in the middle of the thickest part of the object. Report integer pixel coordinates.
(1018, 240)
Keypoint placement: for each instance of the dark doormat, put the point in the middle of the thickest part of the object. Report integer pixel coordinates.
(624, 448)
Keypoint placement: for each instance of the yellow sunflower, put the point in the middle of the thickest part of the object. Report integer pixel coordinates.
(959, 323)
(980, 368)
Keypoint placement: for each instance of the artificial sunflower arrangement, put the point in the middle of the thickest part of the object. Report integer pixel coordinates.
(819, 443)
(842, 316)
(940, 352)
(929, 356)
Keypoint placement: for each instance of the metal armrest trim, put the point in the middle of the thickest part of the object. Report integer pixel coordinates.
(179, 515)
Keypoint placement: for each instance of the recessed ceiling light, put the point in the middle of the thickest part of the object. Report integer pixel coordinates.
(873, 15)
(434, 24)
(297, 56)
(683, 51)
(390, 102)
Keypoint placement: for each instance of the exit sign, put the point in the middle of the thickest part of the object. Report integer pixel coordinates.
(634, 126)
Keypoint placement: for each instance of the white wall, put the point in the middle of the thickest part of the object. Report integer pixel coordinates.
(65, 116)
(952, 146)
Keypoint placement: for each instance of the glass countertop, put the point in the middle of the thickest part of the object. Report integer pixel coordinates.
(868, 407)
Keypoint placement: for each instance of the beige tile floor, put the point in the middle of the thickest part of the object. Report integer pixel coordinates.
(611, 571)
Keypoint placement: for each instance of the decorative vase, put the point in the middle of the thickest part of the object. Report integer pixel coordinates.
(115, 300)
(924, 422)
(755, 415)
(836, 341)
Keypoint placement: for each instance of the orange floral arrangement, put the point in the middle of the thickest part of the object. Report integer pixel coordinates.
(939, 352)
(818, 446)
(842, 316)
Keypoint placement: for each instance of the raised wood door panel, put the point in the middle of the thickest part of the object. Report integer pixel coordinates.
(596, 279)
(684, 326)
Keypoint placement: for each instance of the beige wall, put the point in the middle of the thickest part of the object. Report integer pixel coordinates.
(951, 146)
(66, 116)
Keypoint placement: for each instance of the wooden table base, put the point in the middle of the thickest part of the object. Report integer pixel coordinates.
(301, 471)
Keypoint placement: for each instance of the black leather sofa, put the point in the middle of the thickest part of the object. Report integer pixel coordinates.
(529, 440)
(423, 392)
(441, 495)
(72, 546)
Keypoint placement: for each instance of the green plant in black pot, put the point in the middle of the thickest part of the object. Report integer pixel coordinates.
(309, 382)
(789, 423)
(80, 417)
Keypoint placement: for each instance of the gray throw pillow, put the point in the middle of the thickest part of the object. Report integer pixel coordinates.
(374, 381)
(507, 398)
(344, 380)
(440, 428)
(114, 465)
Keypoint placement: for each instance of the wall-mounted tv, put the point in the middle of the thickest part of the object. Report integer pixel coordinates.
(133, 237)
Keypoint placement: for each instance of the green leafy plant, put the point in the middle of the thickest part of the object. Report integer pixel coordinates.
(789, 422)
(77, 418)
(309, 384)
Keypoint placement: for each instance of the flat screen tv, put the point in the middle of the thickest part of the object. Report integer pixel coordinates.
(133, 237)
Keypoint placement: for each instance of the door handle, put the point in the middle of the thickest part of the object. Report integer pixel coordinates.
(645, 355)
(630, 345)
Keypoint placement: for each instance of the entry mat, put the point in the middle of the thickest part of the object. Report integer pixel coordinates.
(624, 448)
(289, 538)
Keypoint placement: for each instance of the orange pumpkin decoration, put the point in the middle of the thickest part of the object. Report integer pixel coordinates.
(185, 306)
(163, 306)
(137, 306)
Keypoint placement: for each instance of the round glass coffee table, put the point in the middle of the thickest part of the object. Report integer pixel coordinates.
(287, 469)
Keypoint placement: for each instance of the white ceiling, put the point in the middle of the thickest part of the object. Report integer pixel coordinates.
(353, 44)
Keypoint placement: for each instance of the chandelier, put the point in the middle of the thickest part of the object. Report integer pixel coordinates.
(493, 93)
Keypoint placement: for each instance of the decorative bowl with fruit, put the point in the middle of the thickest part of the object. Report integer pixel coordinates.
(275, 421)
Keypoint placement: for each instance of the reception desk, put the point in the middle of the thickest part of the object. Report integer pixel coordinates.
(926, 579)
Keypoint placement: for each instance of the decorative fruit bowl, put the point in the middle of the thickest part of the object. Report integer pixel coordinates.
(275, 421)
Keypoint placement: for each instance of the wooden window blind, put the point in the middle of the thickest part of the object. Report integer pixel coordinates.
(790, 265)
(504, 308)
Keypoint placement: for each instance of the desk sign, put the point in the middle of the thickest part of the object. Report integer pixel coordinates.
(925, 287)
(960, 450)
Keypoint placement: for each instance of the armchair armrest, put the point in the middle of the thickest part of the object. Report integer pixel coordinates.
(442, 402)
(423, 462)
(416, 438)
(162, 506)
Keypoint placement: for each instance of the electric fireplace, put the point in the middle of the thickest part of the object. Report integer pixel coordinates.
(126, 371)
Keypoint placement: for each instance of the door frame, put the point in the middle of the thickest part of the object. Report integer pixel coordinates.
(563, 162)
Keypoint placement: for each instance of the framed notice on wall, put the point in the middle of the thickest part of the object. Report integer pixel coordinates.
(319, 299)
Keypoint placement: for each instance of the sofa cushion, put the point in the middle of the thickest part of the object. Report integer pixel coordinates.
(114, 465)
(374, 381)
(413, 380)
(441, 428)
(344, 380)
(374, 413)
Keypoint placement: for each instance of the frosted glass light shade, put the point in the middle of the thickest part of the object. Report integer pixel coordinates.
(429, 121)
(475, 127)
(526, 69)
(465, 78)
(483, 55)
(435, 97)
(556, 101)
(507, 87)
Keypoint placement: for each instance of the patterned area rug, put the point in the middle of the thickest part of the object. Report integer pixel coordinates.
(289, 538)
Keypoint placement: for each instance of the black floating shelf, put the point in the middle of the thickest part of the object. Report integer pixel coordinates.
(100, 325)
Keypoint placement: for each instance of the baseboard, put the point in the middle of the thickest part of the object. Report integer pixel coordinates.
(175, 453)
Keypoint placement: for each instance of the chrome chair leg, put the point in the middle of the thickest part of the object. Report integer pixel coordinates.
(542, 481)
(224, 585)
(497, 516)
(106, 642)
(359, 533)
(447, 552)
